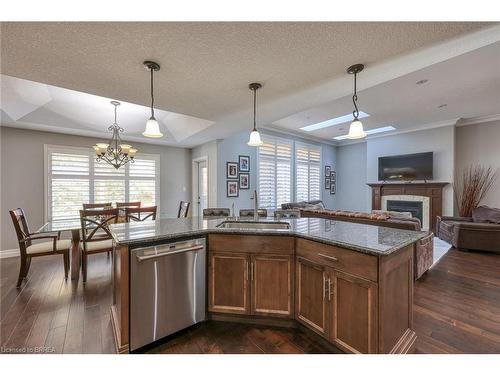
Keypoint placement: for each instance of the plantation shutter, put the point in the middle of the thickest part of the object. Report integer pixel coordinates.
(275, 172)
(307, 172)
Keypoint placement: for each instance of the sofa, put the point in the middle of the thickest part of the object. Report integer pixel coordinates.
(480, 232)
(424, 250)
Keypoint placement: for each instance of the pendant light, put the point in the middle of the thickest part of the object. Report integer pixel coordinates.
(152, 126)
(254, 135)
(356, 128)
(115, 153)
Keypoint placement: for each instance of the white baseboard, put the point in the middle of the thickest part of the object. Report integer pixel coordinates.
(9, 253)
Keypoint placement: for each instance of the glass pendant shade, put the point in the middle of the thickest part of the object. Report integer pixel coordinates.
(255, 139)
(356, 130)
(152, 129)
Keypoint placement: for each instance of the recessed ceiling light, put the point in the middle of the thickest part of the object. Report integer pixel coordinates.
(422, 81)
(333, 121)
(442, 105)
(371, 131)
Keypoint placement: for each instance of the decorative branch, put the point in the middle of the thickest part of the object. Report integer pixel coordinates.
(471, 186)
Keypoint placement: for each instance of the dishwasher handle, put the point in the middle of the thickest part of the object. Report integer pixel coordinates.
(160, 254)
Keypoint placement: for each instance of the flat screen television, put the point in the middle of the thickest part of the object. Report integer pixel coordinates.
(406, 167)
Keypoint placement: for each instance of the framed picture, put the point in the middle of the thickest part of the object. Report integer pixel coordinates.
(333, 188)
(244, 181)
(333, 176)
(232, 189)
(327, 183)
(328, 169)
(244, 162)
(231, 170)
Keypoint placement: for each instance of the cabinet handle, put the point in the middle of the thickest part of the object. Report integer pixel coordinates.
(247, 268)
(328, 257)
(251, 271)
(329, 289)
(324, 287)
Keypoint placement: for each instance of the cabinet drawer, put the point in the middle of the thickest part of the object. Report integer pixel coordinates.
(350, 261)
(251, 244)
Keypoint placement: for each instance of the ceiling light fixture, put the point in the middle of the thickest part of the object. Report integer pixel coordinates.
(254, 135)
(356, 128)
(152, 126)
(333, 121)
(115, 153)
(369, 132)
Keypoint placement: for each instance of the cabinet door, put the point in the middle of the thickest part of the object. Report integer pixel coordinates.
(228, 284)
(272, 285)
(311, 306)
(353, 303)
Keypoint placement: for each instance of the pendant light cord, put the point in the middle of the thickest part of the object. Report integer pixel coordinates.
(152, 95)
(115, 114)
(254, 110)
(355, 113)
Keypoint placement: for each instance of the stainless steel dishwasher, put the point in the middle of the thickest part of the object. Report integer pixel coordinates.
(167, 290)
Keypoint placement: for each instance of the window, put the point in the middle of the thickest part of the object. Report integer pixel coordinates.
(74, 177)
(307, 172)
(275, 172)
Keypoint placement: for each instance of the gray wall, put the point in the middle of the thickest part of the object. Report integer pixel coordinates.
(441, 141)
(480, 144)
(358, 164)
(352, 191)
(22, 175)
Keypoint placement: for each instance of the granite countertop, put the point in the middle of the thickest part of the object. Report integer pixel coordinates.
(364, 238)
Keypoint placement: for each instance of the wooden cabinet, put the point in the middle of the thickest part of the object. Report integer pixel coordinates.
(252, 275)
(311, 305)
(353, 312)
(228, 282)
(272, 284)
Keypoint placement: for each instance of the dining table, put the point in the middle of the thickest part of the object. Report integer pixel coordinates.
(73, 226)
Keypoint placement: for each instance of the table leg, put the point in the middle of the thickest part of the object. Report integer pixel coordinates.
(75, 254)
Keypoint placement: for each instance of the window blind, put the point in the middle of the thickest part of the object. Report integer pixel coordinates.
(275, 172)
(74, 177)
(307, 172)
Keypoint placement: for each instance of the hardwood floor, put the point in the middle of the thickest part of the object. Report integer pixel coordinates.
(457, 310)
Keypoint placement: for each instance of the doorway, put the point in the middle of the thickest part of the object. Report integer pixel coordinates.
(200, 185)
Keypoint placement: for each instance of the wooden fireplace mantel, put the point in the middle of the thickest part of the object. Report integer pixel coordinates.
(433, 190)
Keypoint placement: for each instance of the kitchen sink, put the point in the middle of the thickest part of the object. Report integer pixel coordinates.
(253, 225)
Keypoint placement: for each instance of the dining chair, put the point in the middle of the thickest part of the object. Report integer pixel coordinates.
(183, 209)
(29, 250)
(127, 204)
(89, 206)
(96, 236)
(216, 212)
(262, 212)
(286, 213)
(140, 213)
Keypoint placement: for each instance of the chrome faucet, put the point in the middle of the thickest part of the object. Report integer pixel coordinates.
(255, 206)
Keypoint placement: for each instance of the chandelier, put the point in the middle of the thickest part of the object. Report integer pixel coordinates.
(115, 153)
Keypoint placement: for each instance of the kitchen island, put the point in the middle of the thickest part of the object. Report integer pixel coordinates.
(351, 284)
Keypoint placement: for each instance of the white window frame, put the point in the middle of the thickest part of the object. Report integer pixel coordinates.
(47, 149)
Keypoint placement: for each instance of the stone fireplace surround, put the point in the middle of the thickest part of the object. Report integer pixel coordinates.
(431, 190)
(426, 204)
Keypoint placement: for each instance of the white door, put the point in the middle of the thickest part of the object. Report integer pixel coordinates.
(202, 199)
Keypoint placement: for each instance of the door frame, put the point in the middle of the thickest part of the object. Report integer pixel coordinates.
(195, 183)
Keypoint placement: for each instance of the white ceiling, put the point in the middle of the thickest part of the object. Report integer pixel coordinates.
(469, 85)
(38, 106)
(206, 68)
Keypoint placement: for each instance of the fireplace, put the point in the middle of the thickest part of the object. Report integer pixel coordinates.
(430, 194)
(415, 208)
